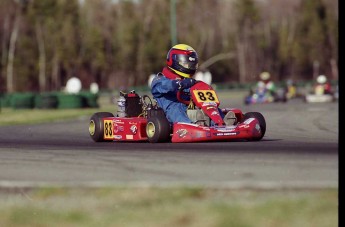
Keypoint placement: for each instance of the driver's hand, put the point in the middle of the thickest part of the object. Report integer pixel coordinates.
(186, 83)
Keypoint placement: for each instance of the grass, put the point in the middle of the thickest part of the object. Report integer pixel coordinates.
(170, 207)
(11, 117)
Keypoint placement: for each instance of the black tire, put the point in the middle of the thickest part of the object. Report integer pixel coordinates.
(284, 99)
(262, 122)
(96, 126)
(158, 129)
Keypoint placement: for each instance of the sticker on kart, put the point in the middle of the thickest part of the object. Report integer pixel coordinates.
(108, 129)
(206, 96)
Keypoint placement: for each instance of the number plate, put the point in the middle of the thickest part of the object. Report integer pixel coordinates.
(205, 96)
(108, 129)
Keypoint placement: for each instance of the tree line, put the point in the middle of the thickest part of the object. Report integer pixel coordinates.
(120, 43)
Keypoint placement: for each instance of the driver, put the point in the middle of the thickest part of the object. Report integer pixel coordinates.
(181, 65)
(266, 84)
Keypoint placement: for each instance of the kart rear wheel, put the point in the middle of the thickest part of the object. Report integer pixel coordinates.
(96, 126)
(158, 129)
(262, 122)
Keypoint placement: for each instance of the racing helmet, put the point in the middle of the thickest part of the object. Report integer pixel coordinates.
(321, 79)
(265, 76)
(183, 60)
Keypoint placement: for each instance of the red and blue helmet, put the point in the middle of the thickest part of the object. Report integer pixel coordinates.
(183, 60)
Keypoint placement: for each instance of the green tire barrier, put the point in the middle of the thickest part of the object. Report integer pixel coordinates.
(22, 100)
(90, 100)
(5, 100)
(49, 100)
(46, 101)
(69, 101)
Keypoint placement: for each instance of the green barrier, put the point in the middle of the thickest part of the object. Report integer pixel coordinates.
(59, 100)
(22, 100)
(69, 101)
(90, 100)
(5, 100)
(46, 101)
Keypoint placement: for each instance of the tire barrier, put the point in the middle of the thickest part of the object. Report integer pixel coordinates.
(69, 101)
(49, 100)
(46, 101)
(90, 100)
(22, 100)
(5, 100)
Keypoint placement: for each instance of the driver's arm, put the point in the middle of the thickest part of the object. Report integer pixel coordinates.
(162, 85)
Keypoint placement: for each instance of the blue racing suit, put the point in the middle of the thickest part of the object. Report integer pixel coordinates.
(164, 90)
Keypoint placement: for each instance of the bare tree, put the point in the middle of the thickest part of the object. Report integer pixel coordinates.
(42, 58)
(6, 27)
(11, 51)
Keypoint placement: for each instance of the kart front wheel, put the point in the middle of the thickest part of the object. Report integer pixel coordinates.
(158, 129)
(96, 126)
(262, 122)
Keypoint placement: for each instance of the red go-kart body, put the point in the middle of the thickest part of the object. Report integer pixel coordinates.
(154, 127)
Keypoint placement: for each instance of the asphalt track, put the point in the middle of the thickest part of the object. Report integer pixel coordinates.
(299, 150)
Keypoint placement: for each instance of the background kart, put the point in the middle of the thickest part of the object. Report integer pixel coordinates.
(145, 121)
(313, 98)
(319, 95)
(255, 97)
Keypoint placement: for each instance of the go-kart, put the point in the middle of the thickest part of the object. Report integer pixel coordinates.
(319, 95)
(146, 121)
(313, 98)
(264, 96)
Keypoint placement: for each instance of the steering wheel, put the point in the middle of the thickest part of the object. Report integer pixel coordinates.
(180, 92)
(179, 97)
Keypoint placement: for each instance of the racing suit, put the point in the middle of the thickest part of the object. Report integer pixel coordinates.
(164, 88)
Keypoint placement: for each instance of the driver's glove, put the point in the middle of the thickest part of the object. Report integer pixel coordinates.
(186, 83)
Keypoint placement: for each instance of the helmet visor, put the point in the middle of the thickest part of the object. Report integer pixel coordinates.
(189, 62)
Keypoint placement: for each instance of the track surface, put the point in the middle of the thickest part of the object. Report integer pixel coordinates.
(299, 150)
